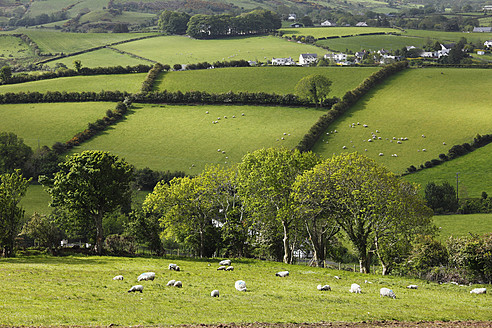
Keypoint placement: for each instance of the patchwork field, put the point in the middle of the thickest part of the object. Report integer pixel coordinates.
(449, 36)
(183, 50)
(447, 106)
(184, 138)
(80, 291)
(45, 124)
(323, 32)
(101, 58)
(122, 82)
(371, 42)
(279, 80)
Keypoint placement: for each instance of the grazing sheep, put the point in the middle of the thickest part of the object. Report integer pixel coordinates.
(344, 147)
(118, 277)
(381, 154)
(171, 283)
(412, 286)
(206, 112)
(478, 291)
(222, 267)
(354, 288)
(337, 277)
(367, 282)
(240, 285)
(282, 274)
(178, 284)
(369, 140)
(214, 293)
(365, 125)
(424, 149)
(423, 136)
(146, 276)
(174, 267)
(225, 262)
(229, 268)
(387, 292)
(444, 143)
(137, 288)
(325, 287)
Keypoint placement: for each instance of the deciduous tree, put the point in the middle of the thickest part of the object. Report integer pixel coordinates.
(315, 87)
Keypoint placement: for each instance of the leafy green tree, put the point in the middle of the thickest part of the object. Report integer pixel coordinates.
(90, 185)
(14, 154)
(173, 22)
(315, 87)
(146, 229)
(5, 73)
(77, 64)
(441, 198)
(44, 231)
(426, 254)
(265, 184)
(13, 186)
(474, 254)
(306, 21)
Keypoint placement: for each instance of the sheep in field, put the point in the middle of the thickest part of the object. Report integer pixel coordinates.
(478, 291)
(354, 288)
(214, 293)
(387, 292)
(120, 277)
(412, 286)
(178, 284)
(240, 285)
(137, 288)
(282, 274)
(225, 262)
(229, 268)
(325, 287)
(171, 282)
(222, 267)
(146, 276)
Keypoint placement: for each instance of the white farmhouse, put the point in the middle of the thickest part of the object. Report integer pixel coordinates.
(283, 61)
(336, 57)
(328, 23)
(306, 59)
(361, 24)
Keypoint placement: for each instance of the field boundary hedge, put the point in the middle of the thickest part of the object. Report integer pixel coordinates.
(348, 100)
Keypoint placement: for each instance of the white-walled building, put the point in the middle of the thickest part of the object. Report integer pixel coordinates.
(306, 59)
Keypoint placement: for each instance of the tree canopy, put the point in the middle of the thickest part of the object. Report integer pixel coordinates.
(315, 87)
(14, 154)
(173, 22)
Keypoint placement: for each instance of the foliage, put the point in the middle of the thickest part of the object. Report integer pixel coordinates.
(5, 74)
(14, 154)
(441, 198)
(315, 87)
(90, 185)
(44, 231)
(427, 253)
(146, 179)
(145, 228)
(173, 22)
(13, 187)
(119, 245)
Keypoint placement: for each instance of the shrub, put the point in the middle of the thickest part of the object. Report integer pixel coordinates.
(120, 245)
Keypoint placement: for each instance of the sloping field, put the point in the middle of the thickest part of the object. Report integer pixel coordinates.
(105, 57)
(462, 225)
(445, 105)
(184, 137)
(80, 291)
(449, 36)
(279, 80)
(183, 50)
(12, 46)
(371, 42)
(122, 82)
(45, 124)
(323, 32)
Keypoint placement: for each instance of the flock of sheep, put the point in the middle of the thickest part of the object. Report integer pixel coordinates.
(240, 285)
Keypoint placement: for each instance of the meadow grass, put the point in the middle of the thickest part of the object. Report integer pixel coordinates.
(279, 80)
(460, 225)
(44, 291)
(51, 6)
(125, 17)
(123, 82)
(172, 137)
(36, 200)
(12, 46)
(183, 50)
(105, 57)
(371, 42)
(448, 36)
(47, 123)
(445, 105)
(323, 32)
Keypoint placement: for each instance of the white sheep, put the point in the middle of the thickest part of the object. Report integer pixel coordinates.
(178, 284)
(381, 154)
(146, 276)
(225, 262)
(240, 285)
(214, 293)
(324, 287)
(412, 286)
(354, 288)
(282, 274)
(229, 268)
(173, 266)
(136, 288)
(222, 267)
(344, 147)
(337, 277)
(120, 277)
(387, 292)
(171, 282)
(479, 291)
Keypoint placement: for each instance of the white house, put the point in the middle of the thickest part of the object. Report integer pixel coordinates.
(488, 44)
(361, 24)
(283, 61)
(336, 57)
(306, 59)
(328, 23)
(480, 52)
(292, 17)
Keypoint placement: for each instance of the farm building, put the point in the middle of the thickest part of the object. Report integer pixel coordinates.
(482, 29)
(296, 25)
(283, 61)
(361, 24)
(306, 59)
(336, 57)
(328, 23)
(292, 17)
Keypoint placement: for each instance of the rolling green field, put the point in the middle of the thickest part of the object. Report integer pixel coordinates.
(105, 57)
(279, 80)
(184, 138)
(462, 225)
(323, 32)
(47, 123)
(122, 82)
(183, 50)
(445, 105)
(12, 46)
(372, 42)
(449, 36)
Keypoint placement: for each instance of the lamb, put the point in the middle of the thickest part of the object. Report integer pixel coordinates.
(171, 283)
(412, 286)
(325, 287)
(229, 268)
(214, 293)
(225, 262)
(282, 274)
(354, 288)
(120, 277)
(136, 288)
(146, 276)
(174, 267)
(222, 267)
(479, 291)
(387, 292)
(240, 285)
(178, 284)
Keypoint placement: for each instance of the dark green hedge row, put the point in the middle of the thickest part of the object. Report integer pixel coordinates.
(148, 83)
(218, 64)
(56, 96)
(349, 99)
(454, 152)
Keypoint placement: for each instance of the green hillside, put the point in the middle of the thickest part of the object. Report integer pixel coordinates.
(323, 32)
(371, 42)
(462, 225)
(104, 57)
(279, 80)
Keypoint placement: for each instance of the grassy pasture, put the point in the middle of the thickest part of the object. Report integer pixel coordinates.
(450, 108)
(51, 6)
(279, 80)
(122, 82)
(323, 32)
(371, 42)
(80, 291)
(461, 225)
(100, 16)
(101, 58)
(184, 137)
(11, 46)
(183, 50)
(45, 124)
(448, 36)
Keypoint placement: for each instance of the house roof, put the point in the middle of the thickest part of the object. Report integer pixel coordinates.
(309, 55)
(482, 29)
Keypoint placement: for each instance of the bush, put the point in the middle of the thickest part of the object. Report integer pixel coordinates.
(120, 245)
(474, 255)
(427, 253)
